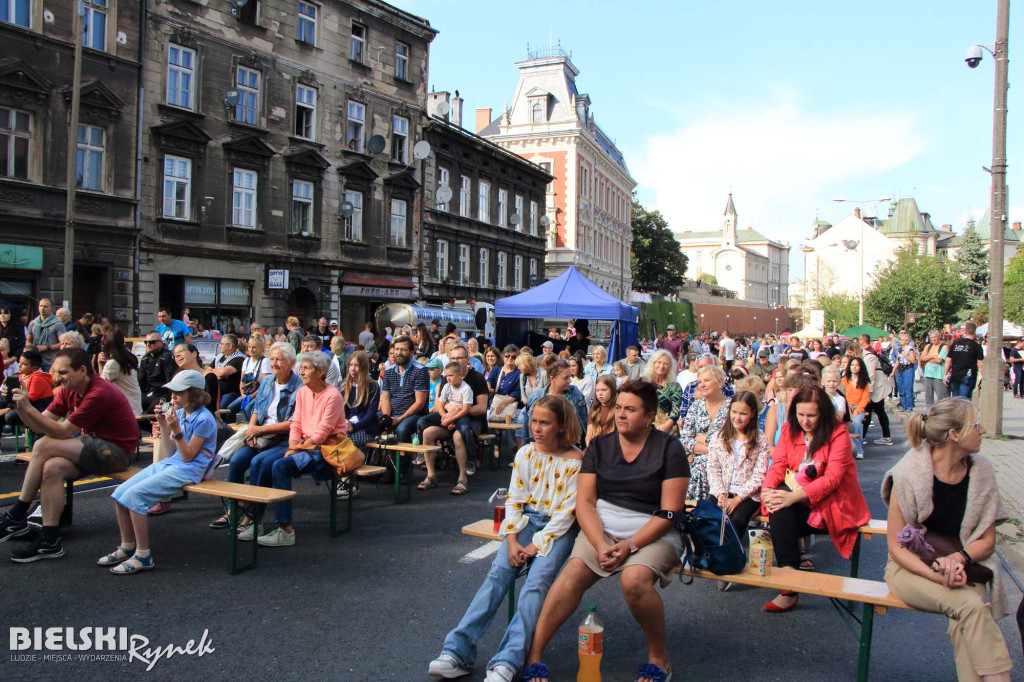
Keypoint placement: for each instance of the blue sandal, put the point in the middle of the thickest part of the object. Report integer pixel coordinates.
(653, 672)
(535, 671)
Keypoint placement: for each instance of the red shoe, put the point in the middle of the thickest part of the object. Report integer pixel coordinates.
(159, 508)
(772, 607)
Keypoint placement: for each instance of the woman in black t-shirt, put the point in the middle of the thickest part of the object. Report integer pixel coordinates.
(625, 477)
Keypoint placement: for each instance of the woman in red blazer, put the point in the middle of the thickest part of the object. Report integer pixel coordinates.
(811, 484)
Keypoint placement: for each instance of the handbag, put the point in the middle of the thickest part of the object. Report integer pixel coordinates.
(233, 444)
(660, 419)
(947, 544)
(343, 456)
(710, 541)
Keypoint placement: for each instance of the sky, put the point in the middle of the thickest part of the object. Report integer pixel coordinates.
(787, 105)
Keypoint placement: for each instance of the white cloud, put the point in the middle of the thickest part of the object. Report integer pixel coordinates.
(777, 158)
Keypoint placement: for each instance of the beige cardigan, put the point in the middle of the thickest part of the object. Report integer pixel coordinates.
(912, 479)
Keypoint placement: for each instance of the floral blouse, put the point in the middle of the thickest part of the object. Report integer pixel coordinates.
(548, 485)
(670, 397)
(698, 421)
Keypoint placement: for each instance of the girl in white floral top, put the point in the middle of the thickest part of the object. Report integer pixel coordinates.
(539, 527)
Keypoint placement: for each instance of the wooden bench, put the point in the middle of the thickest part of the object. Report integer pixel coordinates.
(233, 492)
(484, 528)
(395, 452)
(874, 596)
(500, 428)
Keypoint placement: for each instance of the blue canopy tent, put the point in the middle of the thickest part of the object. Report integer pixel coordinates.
(568, 296)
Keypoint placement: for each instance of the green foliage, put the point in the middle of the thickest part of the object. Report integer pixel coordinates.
(658, 310)
(915, 283)
(1013, 288)
(708, 278)
(841, 312)
(973, 265)
(659, 266)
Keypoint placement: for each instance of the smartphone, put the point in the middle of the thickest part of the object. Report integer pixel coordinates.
(12, 383)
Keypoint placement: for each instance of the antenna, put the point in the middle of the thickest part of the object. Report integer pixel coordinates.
(421, 150)
(376, 144)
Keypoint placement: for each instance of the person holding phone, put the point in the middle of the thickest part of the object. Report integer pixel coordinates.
(35, 381)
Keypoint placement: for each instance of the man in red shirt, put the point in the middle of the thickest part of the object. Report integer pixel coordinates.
(98, 436)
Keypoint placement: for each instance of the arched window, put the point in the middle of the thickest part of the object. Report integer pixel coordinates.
(538, 113)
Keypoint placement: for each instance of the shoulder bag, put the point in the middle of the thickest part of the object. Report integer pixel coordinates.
(344, 457)
(509, 410)
(710, 541)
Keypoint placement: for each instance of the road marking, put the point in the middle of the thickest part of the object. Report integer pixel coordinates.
(82, 481)
(480, 553)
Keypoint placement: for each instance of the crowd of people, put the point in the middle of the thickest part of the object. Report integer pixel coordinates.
(604, 451)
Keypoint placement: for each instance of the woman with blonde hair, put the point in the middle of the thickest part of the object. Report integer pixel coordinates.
(602, 412)
(706, 417)
(661, 371)
(943, 488)
(531, 376)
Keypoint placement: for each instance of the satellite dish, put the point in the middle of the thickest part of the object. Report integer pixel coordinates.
(514, 219)
(443, 194)
(238, 4)
(345, 209)
(443, 108)
(231, 97)
(376, 144)
(545, 221)
(421, 150)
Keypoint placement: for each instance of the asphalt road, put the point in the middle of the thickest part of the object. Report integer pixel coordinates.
(377, 603)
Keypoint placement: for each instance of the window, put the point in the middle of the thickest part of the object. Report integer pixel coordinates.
(502, 283)
(397, 223)
(463, 264)
(15, 138)
(243, 198)
(538, 112)
(399, 139)
(248, 85)
(357, 43)
(355, 221)
(517, 273)
(302, 207)
(305, 112)
(177, 188)
(546, 167)
(519, 212)
(503, 207)
(94, 24)
(533, 267)
(17, 12)
(402, 61)
(354, 133)
(464, 196)
(442, 181)
(307, 23)
(533, 218)
(89, 161)
(441, 261)
(483, 203)
(181, 70)
(485, 262)
(249, 13)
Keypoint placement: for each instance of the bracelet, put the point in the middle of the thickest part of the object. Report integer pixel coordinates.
(966, 556)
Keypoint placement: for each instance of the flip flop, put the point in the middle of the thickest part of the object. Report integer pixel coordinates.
(535, 671)
(653, 672)
(461, 488)
(427, 483)
(222, 522)
(805, 563)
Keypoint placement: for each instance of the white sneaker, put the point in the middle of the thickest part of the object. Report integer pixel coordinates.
(447, 667)
(471, 468)
(500, 673)
(343, 493)
(35, 519)
(246, 534)
(859, 456)
(276, 538)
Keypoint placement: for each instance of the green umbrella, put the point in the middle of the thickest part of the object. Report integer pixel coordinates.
(873, 332)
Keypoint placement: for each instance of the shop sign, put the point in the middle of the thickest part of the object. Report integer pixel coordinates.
(21, 257)
(277, 279)
(234, 292)
(375, 292)
(201, 291)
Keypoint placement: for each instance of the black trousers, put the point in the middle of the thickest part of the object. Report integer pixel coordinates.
(740, 518)
(788, 526)
(883, 419)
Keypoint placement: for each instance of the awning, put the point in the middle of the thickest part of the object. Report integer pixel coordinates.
(376, 280)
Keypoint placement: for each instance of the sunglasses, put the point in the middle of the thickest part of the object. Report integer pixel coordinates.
(150, 343)
(510, 355)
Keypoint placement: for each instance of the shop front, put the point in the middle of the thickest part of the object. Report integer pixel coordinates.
(363, 293)
(212, 302)
(20, 269)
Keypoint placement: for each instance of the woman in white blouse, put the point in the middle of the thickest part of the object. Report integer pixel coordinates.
(120, 368)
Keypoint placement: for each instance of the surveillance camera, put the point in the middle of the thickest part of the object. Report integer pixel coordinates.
(973, 57)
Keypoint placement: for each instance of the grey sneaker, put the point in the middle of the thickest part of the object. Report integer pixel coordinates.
(447, 667)
(277, 538)
(882, 441)
(9, 528)
(246, 534)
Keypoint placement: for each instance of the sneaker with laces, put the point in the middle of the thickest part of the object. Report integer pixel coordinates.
(471, 468)
(500, 673)
(447, 667)
(35, 519)
(38, 550)
(9, 528)
(344, 493)
(246, 534)
(277, 538)
(882, 441)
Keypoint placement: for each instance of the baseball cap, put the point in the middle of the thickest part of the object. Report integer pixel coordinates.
(334, 323)
(547, 344)
(671, 326)
(434, 363)
(186, 379)
(764, 353)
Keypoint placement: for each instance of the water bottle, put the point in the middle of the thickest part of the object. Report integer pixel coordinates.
(499, 498)
(591, 643)
(415, 439)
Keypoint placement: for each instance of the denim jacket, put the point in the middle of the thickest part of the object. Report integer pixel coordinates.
(265, 395)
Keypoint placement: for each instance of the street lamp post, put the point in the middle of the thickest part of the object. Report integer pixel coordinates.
(776, 326)
(726, 323)
(755, 324)
(852, 245)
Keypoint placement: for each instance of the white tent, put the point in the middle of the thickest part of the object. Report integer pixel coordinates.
(1010, 330)
(808, 332)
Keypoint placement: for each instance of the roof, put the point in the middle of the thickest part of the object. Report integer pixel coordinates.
(984, 230)
(569, 296)
(730, 208)
(907, 219)
(609, 148)
(748, 235)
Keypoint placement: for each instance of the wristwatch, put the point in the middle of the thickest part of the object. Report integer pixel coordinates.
(633, 549)
(177, 436)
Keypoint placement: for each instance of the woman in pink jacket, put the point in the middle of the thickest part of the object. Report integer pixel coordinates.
(811, 484)
(318, 419)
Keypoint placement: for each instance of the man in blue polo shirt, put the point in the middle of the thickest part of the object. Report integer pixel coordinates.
(403, 390)
(172, 331)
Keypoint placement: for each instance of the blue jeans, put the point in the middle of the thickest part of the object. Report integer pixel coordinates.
(858, 430)
(284, 470)
(964, 389)
(905, 385)
(260, 465)
(407, 427)
(461, 642)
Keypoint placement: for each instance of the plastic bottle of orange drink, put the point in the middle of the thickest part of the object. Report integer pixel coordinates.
(591, 643)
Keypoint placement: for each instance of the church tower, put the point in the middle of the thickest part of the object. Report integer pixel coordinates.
(729, 231)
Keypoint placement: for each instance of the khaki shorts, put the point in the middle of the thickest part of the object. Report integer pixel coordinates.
(101, 457)
(660, 556)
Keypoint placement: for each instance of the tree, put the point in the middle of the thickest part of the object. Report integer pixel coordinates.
(841, 312)
(973, 265)
(914, 283)
(659, 266)
(1013, 288)
(708, 278)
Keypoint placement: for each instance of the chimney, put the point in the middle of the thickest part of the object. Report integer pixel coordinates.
(434, 99)
(456, 115)
(483, 119)
(947, 228)
(1016, 226)
(856, 211)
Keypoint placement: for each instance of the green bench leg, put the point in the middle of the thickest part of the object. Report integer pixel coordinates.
(67, 516)
(864, 658)
(855, 557)
(397, 460)
(332, 491)
(234, 567)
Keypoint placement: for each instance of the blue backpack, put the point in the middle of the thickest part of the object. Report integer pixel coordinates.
(710, 541)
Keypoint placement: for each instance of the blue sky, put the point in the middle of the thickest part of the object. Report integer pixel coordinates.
(787, 104)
